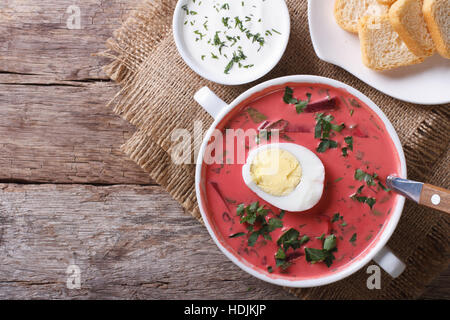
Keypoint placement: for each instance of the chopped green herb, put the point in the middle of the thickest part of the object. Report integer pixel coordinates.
(323, 129)
(253, 238)
(253, 214)
(371, 202)
(322, 255)
(329, 243)
(324, 126)
(326, 144)
(349, 142)
(289, 239)
(360, 175)
(276, 31)
(344, 152)
(300, 105)
(383, 187)
(304, 240)
(288, 96)
(236, 235)
(336, 217)
(255, 115)
(237, 57)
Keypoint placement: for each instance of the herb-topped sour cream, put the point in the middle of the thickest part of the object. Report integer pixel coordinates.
(232, 38)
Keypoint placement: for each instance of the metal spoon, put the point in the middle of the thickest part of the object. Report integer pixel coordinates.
(422, 193)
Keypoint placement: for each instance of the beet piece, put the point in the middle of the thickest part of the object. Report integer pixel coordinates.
(280, 125)
(264, 261)
(263, 125)
(226, 216)
(298, 128)
(293, 255)
(356, 131)
(320, 105)
(217, 189)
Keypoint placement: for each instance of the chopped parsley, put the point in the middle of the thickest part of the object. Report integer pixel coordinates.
(370, 179)
(357, 197)
(289, 239)
(360, 175)
(326, 144)
(237, 57)
(324, 126)
(304, 240)
(255, 115)
(300, 105)
(336, 217)
(383, 187)
(236, 235)
(349, 142)
(325, 254)
(323, 129)
(255, 215)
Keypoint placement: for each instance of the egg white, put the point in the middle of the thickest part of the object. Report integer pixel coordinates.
(307, 193)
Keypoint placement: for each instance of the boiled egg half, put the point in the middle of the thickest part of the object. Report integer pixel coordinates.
(286, 175)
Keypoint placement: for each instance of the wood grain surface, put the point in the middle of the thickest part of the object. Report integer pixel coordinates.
(69, 196)
(435, 197)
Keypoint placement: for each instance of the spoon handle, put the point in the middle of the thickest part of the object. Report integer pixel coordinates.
(422, 193)
(435, 197)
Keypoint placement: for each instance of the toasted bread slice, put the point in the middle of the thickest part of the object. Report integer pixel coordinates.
(348, 12)
(407, 20)
(381, 46)
(437, 17)
(387, 2)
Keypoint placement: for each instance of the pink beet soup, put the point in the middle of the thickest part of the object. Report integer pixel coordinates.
(355, 205)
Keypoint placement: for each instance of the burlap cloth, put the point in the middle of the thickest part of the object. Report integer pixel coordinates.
(156, 97)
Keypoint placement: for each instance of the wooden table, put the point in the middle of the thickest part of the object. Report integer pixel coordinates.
(67, 194)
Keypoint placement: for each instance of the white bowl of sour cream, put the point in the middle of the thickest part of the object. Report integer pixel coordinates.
(231, 42)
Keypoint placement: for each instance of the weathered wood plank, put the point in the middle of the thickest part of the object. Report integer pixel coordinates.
(56, 128)
(129, 242)
(64, 134)
(34, 38)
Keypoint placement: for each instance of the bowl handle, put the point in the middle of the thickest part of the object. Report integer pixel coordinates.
(209, 101)
(389, 262)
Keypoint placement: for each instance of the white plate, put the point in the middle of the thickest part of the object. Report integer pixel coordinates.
(427, 83)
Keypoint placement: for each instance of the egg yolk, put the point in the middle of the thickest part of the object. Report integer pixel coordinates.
(276, 171)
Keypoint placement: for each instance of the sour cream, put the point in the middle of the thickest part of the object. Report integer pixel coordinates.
(235, 39)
